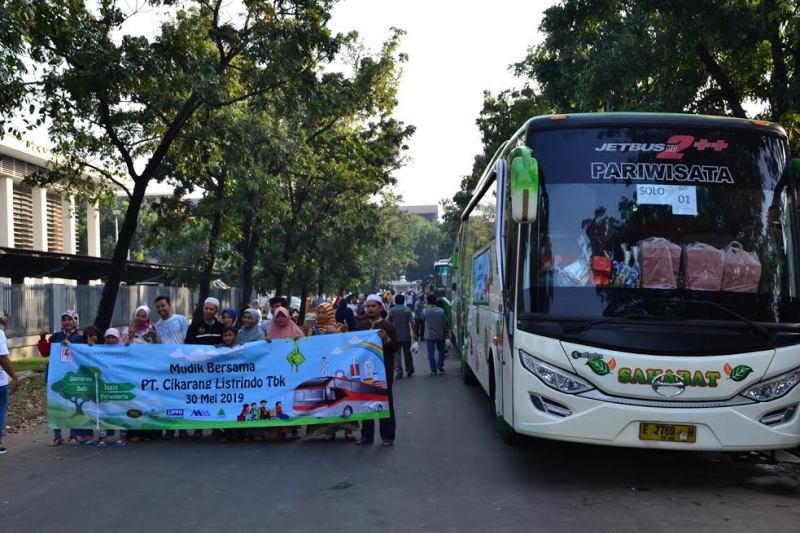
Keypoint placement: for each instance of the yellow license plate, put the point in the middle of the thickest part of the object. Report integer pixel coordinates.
(667, 432)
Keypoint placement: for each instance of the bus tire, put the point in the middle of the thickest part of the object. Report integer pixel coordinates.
(467, 375)
(347, 412)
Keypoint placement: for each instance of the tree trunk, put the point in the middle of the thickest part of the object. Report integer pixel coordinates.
(116, 274)
(213, 240)
(779, 80)
(248, 251)
(732, 98)
(303, 291)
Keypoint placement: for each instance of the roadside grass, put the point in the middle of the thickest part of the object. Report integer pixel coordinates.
(37, 364)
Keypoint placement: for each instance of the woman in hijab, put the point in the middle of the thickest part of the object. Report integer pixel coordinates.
(69, 333)
(283, 327)
(229, 317)
(113, 337)
(250, 331)
(325, 319)
(326, 323)
(142, 330)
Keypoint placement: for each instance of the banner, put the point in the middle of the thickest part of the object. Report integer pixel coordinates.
(313, 380)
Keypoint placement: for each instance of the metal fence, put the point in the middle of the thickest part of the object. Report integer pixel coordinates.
(33, 308)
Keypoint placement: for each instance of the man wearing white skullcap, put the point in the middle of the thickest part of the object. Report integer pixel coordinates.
(207, 330)
(373, 320)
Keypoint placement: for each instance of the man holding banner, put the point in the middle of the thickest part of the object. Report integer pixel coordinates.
(207, 330)
(373, 320)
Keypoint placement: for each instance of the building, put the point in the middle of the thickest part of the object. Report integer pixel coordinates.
(39, 230)
(35, 218)
(428, 212)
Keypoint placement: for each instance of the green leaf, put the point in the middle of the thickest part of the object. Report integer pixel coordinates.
(598, 366)
(740, 372)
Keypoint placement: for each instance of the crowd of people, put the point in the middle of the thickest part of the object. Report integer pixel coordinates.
(401, 320)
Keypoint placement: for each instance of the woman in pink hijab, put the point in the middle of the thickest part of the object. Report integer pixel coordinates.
(141, 330)
(283, 327)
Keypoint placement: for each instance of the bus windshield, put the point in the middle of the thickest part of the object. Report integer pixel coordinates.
(663, 223)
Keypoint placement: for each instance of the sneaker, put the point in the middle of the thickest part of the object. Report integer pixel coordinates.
(441, 369)
(399, 376)
(2, 449)
(433, 372)
(411, 373)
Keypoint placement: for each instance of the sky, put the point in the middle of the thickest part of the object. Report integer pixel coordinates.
(457, 49)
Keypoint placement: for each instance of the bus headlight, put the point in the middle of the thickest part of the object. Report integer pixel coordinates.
(773, 388)
(553, 377)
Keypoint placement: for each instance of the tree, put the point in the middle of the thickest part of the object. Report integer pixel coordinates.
(645, 55)
(117, 102)
(500, 117)
(340, 145)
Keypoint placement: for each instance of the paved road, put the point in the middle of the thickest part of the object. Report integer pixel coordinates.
(449, 471)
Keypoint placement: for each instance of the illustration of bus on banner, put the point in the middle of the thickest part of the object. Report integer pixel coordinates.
(338, 396)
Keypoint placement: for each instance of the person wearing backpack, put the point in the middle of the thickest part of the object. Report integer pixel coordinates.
(403, 319)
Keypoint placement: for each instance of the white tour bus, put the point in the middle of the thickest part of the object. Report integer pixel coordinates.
(632, 280)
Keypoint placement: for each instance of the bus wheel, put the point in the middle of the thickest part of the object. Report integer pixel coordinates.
(467, 375)
(347, 412)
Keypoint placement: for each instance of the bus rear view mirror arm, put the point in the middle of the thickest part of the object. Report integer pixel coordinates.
(524, 185)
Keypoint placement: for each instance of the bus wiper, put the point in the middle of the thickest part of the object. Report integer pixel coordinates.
(615, 319)
(761, 331)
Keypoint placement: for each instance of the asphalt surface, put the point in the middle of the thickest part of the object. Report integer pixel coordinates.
(448, 471)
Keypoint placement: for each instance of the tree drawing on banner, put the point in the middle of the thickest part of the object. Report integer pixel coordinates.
(79, 387)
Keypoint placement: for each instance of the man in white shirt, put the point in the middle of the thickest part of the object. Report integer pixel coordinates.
(171, 328)
(8, 381)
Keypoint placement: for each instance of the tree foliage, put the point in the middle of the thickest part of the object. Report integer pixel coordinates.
(720, 57)
(115, 102)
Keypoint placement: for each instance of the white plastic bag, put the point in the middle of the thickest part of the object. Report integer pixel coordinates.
(415, 347)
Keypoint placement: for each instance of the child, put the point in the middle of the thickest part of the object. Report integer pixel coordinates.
(228, 337)
(114, 338)
(93, 336)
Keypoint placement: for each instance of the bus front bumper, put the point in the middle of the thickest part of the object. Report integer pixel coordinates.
(729, 428)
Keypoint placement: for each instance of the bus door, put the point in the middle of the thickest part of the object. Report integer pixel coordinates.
(502, 340)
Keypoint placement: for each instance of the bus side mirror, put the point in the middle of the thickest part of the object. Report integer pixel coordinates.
(524, 185)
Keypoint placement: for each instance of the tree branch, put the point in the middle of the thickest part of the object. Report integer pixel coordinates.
(715, 71)
(105, 116)
(109, 176)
